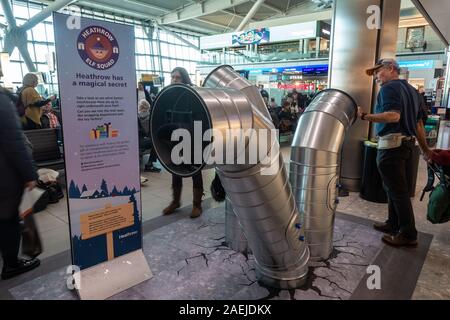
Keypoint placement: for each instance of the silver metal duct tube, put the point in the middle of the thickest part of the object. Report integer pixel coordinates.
(260, 193)
(234, 234)
(314, 165)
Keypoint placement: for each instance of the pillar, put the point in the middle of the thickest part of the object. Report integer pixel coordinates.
(317, 47)
(354, 48)
(305, 46)
(447, 86)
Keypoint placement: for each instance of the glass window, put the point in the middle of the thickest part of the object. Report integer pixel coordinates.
(164, 49)
(162, 35)
(15, 55)
(167, 79)
(99, 15)
(34, 10)
(156, 62)
(38, 33)
(138, 32)
(109, 17)
(155, 48)
(137, 62)
(173, 64)
(175, 52)
(185, 52)
(140, 46)
(42, 68)
(41, 52)
(172, 39)
(16, 72)
(50, 33)
(20, 11)
(166, 65)
(142, 62)
(31, 51)
(147, 46)
(49, 19)
(148, 60)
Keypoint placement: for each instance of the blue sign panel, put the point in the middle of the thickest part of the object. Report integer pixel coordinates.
(416, 65)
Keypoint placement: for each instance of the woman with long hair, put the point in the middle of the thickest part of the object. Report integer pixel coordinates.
(180, 75)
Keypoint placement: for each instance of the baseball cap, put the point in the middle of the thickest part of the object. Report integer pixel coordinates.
(383, 63)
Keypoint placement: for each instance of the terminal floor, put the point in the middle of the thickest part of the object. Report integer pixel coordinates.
(433, 277)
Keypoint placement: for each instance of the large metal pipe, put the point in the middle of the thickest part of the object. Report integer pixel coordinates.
(234, 234)
(314, 165)
(260, 193)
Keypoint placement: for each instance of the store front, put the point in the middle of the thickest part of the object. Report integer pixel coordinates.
(427, 76)
(279, 82)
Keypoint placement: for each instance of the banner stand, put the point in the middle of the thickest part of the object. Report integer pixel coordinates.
(98, 100)
(110, 278)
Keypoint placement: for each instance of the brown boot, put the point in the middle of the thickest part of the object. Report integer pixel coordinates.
(197, 203)
(175, 204)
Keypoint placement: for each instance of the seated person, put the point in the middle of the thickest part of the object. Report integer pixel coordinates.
(286, 117)
(273, 113)
(145, 142)
(49, 119)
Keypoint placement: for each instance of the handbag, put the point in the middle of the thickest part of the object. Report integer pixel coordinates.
(31, 241)
(217, 191)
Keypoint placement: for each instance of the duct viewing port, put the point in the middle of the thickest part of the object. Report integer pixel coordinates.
(182, 109)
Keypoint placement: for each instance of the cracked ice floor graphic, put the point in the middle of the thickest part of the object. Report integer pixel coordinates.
(190, 261)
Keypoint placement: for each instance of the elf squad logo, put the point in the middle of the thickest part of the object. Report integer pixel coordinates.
(98, 47)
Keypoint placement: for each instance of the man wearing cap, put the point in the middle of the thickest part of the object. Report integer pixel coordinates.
(398, 123)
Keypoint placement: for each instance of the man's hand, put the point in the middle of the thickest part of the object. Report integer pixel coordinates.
(30, 185)
(428, 155)
(360, 112)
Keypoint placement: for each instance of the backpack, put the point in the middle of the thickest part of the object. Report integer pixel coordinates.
(439, 203)
(20, 106)
(53, 191)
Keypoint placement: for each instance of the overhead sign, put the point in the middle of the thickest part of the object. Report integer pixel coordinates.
(297, 31)
(255, 36)
(416, 65)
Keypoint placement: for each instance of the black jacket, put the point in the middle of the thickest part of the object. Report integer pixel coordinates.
(16, 165)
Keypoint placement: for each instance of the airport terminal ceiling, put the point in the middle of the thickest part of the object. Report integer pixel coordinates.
(204, 17)
(208, 17)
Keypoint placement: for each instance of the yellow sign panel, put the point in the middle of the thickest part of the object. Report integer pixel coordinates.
(148, 77)
(106, 220)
